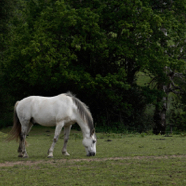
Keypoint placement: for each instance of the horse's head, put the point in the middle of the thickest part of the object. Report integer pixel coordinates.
(90, 145)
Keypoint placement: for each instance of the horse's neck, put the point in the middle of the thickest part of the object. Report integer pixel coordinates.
(85, 129)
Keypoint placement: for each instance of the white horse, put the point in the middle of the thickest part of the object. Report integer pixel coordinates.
(60, 111)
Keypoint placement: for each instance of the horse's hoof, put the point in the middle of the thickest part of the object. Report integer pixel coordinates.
(66, 153)
(20, 155)
(49, 156)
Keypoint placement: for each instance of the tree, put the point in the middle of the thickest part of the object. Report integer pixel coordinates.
(7, 10)
(93, 49)
(172, 47)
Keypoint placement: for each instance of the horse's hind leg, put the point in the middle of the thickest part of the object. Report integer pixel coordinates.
(20, 148)
(66, 136)
(25, 128)
(59, 126)
(29, 128)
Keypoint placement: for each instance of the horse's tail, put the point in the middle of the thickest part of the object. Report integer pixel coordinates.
(16, 129)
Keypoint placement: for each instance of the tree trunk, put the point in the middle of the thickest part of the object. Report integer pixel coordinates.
(160, 111)
(160, 114)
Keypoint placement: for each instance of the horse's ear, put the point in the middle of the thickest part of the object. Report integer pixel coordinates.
(92, 132)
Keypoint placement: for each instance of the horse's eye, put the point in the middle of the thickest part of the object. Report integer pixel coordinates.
(94, 141)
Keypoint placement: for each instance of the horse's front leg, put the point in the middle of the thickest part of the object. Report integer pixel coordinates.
(59, 126)
(66, 136)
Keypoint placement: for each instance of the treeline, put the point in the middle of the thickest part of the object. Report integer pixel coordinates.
(96, 49)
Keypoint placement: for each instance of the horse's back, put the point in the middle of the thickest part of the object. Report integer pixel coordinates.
(45, 110)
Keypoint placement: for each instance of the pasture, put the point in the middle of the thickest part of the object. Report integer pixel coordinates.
(121, 159)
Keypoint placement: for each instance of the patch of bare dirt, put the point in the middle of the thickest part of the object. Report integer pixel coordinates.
(51, 161)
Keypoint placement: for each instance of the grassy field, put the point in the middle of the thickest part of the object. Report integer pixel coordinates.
(132, 159)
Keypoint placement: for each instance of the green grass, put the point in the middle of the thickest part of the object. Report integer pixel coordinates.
(116, 172)
(133, 159)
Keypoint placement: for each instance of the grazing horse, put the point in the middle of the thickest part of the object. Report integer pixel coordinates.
(60, 111)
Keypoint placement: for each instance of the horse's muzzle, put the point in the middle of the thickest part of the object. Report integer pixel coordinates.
(91, 154)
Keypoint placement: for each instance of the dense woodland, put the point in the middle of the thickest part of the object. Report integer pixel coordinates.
(97, 49)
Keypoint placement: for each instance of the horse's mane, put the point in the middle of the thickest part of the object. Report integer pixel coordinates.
(84, 111)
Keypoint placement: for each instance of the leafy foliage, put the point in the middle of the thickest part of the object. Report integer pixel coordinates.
(95, 49)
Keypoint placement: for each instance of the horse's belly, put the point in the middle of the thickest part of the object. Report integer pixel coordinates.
(44, 120)
(51, 119)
